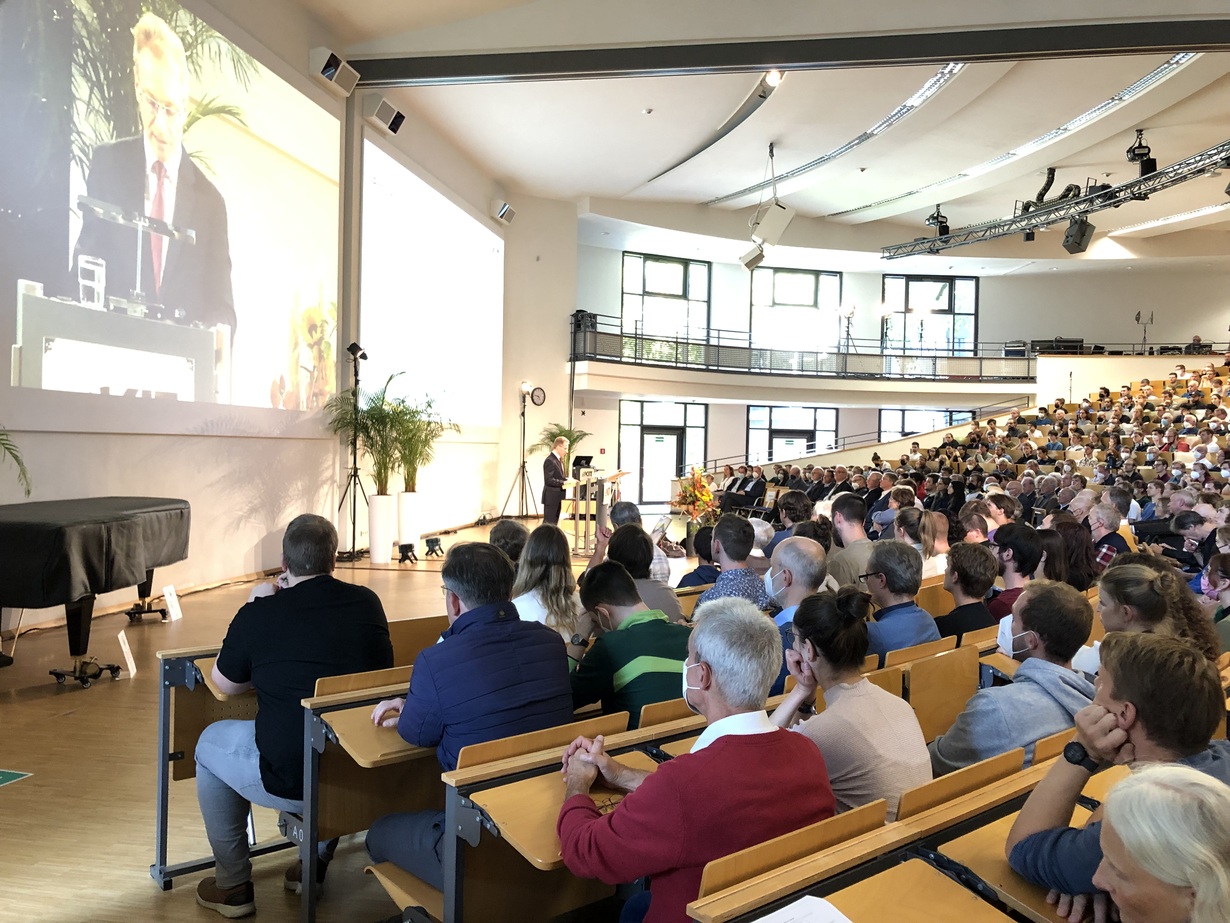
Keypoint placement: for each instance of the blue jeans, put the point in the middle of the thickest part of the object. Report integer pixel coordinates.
(228, 782)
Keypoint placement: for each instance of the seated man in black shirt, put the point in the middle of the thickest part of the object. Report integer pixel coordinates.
(971, 571)
(279, 644)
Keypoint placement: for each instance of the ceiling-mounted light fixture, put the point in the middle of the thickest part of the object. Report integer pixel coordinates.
(938, 221)
(770, 221)
(1140, 153)
(753, 257)
(774, 78)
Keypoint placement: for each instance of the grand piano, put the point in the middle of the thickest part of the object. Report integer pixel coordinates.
(66, 552)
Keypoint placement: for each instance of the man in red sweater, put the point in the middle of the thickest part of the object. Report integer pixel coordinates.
(745, 780)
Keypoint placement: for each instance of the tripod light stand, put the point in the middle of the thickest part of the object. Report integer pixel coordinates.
(521, 483)
(354, 485)
(846, 312)
(1144, 337)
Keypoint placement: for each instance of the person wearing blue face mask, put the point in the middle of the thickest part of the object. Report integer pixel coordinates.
(1049, 623)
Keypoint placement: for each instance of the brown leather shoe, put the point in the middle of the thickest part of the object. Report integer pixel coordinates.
(232, 903)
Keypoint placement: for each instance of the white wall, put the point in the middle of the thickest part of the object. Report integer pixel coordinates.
(540, 292)
(1101, 306)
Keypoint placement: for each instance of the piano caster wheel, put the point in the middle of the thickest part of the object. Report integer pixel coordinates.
(86, 682)
(60, 679)
(114, 671)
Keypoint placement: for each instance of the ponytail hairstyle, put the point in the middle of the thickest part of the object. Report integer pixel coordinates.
(1055, 567)
(836, 626)
(909, 524)
(1160, 599)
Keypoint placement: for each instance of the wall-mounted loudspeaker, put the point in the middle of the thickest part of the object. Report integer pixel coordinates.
(331, 71)
(1080, 232)
(502, 212)
(382, 114)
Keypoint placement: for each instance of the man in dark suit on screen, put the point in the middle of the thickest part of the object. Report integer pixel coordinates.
(152, 175)
(553, 477)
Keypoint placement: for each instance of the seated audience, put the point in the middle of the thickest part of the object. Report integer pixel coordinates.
(894, 574)
(872, 744)
(1158, 700)
(279, 644)
(972, 570)
(698, 806)
(1104, 523)
(1082, 566)
(1165, 838)
(747, 493)
(1050, 621)
(706, 571)
(631, 547)
(625, 513)
(733, 537)
(1143, 597)
(545, 590)
(1018, 551)
(793, 507)
(638, 658)
(491, 675)
(1054, 562)
(797, 571)
(849, 561)
(510, 537)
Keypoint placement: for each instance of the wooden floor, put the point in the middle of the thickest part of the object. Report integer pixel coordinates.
(77, 836)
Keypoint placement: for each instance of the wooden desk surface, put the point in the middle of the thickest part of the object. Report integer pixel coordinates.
(677, 747)
(982, 852)
(1001, 662)
(526, 811)
(207, 670)
(913, 892)
(368, 745)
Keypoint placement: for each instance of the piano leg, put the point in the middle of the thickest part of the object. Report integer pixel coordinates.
(79, 615)
(144, 607)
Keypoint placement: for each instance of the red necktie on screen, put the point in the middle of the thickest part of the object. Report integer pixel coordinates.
(157, 210)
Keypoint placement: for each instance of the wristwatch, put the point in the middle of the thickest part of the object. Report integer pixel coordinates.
(1076, 754)
(577, 640)
(807, 708)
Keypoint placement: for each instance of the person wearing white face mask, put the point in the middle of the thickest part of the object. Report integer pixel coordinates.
(1049, 623)
(796, 571)
(745, 780)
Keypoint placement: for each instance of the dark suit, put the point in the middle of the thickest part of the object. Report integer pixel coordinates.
(751, 493)
(196, 278)
(553, 478)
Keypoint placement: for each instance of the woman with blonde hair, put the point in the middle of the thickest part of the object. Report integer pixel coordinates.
(1166, 846)
(1144, 597)
(545, 590)
(919, 529)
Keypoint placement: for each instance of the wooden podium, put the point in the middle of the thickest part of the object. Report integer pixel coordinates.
(593, 495)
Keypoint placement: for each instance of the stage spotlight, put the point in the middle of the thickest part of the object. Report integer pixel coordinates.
(1140, 153)
(939, 222)
(526, 387)
(752, 258)
(1078, 235)
(773, 78)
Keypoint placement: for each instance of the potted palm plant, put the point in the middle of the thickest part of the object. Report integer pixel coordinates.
(419, 427)
(373, 420)
(551, 432)
(8, 449)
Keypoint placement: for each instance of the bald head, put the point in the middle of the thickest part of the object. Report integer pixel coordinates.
(801, 564)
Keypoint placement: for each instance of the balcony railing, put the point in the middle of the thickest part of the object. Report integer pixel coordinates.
(602, 339)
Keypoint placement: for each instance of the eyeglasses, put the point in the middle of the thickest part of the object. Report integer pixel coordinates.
(792, 636)
(152, 106)
(444, 591)
(864, 577)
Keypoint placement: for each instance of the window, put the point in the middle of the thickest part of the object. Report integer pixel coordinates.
(665, 297)
(930, 314)
(898, 424)
(775, 433)
(796, 309)
(658, 441)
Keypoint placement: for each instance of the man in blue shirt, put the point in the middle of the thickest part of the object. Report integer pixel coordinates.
(796, 571)
(1159, 700)
(894, 574)
(733, 537)
(492, 675)
(706, 571)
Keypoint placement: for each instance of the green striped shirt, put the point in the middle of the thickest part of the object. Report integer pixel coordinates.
(635, 665)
